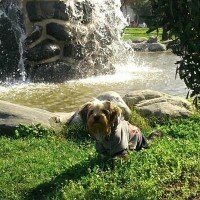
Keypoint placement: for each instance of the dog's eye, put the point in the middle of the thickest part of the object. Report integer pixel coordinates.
(106, 112)
(90, 112)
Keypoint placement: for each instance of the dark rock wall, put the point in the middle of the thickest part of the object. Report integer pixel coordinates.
(9, 51)
(52, 52)
(41, 10)
(11, 24)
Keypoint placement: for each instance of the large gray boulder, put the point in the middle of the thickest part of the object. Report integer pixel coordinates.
(139, 40)
(141, 46)
(153, 47)
(11, 115)
(149, 47)
(157, 104)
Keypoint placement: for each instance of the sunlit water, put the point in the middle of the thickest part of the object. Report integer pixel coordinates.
(154, 71)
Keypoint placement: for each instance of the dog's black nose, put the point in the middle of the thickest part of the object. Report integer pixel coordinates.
(96, 118)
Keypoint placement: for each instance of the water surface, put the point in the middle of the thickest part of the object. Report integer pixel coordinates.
(154, 71)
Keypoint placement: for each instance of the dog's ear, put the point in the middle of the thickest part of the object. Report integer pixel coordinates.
(84, 111)
(115, 112)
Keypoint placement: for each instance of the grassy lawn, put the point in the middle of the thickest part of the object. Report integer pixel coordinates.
(37, 164)
(134, 33)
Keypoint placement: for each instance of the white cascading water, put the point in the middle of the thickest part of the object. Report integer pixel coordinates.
(102, 38)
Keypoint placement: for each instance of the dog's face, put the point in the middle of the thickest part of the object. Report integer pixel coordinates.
(100, 116)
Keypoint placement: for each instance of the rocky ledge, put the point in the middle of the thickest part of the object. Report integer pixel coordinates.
(151, 103)
(11, 115)
(148, 103)
(150, 45)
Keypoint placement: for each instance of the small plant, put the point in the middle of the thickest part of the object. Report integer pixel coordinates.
(37, 131)
(139, 121)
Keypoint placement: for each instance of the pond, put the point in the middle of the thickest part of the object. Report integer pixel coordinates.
(154, 71)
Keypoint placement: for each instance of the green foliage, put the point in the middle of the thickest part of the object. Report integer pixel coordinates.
(181, 19)
(58, 168)
(141, 8)
(34, 130)
(183, 128)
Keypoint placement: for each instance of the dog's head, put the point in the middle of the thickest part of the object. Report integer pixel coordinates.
(100, 117)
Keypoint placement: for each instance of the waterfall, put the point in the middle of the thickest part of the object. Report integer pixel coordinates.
(104, 32)
(67, 39)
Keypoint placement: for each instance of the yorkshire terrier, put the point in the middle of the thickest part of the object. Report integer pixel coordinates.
(114, 136)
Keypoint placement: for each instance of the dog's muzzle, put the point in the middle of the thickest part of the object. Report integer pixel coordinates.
(97, 118)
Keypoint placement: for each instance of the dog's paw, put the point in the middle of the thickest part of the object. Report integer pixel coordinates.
(123, 154)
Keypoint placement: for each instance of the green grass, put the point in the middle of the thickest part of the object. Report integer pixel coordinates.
(135, 33)
(35, 164)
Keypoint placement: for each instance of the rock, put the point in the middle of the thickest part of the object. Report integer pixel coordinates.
(68, 50)
(86, 8)
(151, 45)
(5, 30)
(63, 117)
(75, 51)
(9, 51)
(152, 39)
(157, 47)
(117, 99)
(133, 98)
(40, 10)
(156, 104)
(35, 35)
(58, 31)
(171, 44)
(166, 42)
(11, 115)
(42, 51)
(139, 40)
(56, 72)
(145, 46)
(9, 67)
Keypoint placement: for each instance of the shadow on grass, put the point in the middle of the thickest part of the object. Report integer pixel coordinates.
(77, 133)
(48, 190)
